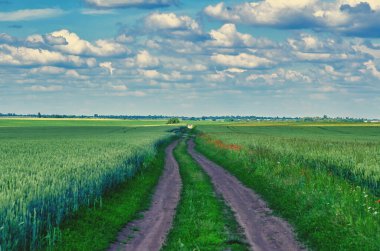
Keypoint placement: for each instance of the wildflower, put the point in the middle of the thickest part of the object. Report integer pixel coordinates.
(378, 201)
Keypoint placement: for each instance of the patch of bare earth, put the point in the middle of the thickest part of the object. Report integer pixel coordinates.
(262, 230)
(149, 232)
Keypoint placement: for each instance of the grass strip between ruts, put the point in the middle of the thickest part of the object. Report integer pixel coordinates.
(202, 221)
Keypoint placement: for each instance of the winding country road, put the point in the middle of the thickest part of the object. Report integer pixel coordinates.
(153, 227)
(263, 231)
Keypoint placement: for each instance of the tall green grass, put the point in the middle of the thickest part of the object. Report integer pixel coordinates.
(48, 172)
(350, 152)
(302, 173)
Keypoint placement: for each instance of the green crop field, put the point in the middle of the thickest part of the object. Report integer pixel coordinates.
(323, 178)
(49, 168)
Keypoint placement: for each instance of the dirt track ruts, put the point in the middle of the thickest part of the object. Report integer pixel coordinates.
(262, 230)
(153, 227)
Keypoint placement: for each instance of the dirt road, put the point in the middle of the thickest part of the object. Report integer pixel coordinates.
(149, 232)
(263, 230)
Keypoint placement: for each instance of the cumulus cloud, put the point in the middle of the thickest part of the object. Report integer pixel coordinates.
(143, 60)
(172, 76)
(320, 57)
(24, 56)
(350, 17)
(369, 49)
(5, 38)
(52, 70)
(371, 67)
(131, 3)
(107, 66)
(280, 76)
(29, 14)
(77, 46)
(171, 24)
(243, 60)
(228, 36)
(41, 88)
(119, 87)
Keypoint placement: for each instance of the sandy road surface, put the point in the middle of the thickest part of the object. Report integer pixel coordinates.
(263, 230)
(156, 222)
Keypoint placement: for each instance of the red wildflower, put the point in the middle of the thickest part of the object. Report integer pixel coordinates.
(378, 201)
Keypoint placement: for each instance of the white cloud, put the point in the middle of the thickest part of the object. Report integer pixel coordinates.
(119, 87)
(243, 60)
(371, 67)
(172, 24)
(96, 12)
(41, 88)
(267, 12)
(77, 46)
(280, 76)
(130, 3)
(351, 17)
(52, 70)
(228, 36)
(74, 74)
(29, 14)
(107, 66)
(172, 76)
(194, 67)
(143, 60)
(235, 70)
(375, 53)
(124, 38)
(48, 70)
(324, 57)
(18, 56)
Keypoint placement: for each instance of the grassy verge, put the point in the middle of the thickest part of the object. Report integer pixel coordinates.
(327, 211)
(202, 221)
(95, 228)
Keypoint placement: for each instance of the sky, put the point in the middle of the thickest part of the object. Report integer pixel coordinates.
(191, 58)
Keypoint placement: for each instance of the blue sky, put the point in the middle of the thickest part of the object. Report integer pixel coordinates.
(182, 57)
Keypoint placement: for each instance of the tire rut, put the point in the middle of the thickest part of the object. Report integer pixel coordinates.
(149, 232)
(263, 231)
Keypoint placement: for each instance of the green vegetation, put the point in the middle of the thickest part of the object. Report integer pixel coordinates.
(173, 121)
(350, 152)
(77, 122)
(324, 180)
(49, 172)
(202, 221)
(96, 227)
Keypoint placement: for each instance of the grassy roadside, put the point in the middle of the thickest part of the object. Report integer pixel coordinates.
(328, 212)
(202, 221)
(95, 228)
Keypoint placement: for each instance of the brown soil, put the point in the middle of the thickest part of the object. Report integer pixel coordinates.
(149, 232)
(262, 230)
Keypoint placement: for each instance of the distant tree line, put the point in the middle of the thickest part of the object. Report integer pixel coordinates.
(323, 118)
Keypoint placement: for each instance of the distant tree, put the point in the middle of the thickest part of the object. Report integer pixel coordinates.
(173, 121)
(39, 115)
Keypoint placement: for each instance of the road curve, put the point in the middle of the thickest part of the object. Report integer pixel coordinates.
(153, 227)
(263, 231)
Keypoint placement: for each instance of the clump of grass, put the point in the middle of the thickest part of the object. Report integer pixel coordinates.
(202, 221)
(328, 212)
